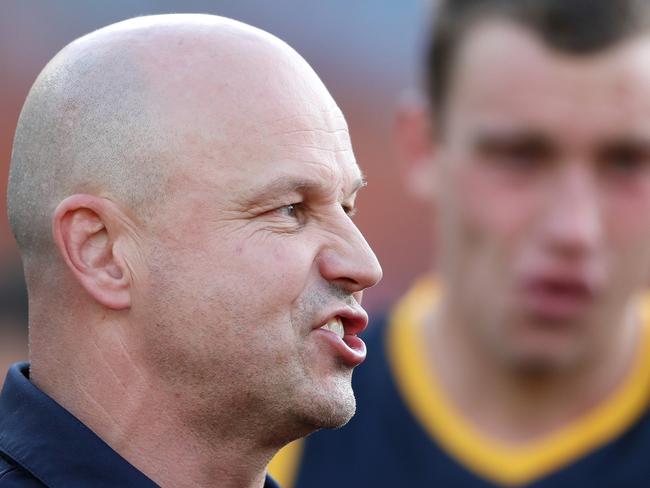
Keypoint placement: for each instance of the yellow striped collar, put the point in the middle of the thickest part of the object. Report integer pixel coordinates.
(492, 460)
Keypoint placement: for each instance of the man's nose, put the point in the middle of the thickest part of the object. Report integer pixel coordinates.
(572, 223)
(347, 261)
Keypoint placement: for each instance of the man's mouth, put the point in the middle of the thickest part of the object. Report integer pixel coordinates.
(558, 298)
(339, 332)
(335, 325)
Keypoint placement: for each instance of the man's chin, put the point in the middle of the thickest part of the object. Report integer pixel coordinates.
(329, 412)
(544, 362)
(338, 419)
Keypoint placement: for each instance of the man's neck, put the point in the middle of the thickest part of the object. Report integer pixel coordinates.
(150, 428)
(175, 455)
(513, 406)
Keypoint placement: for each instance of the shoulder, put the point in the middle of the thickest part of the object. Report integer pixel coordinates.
(6, 468)
(13, 476)
(624, 461)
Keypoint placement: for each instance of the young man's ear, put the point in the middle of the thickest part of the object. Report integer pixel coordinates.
(86, 229)
(413, 134)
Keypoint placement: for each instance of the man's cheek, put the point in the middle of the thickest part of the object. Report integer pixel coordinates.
(629, 240)
(494, 207)
(632, 259)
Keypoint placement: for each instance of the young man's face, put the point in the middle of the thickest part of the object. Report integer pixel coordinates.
(544, 195)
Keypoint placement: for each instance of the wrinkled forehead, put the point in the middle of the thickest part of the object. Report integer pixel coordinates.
(299, 137)
(312, 141)
(308, 129)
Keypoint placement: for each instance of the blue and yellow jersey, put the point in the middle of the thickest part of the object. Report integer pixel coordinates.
(407, 433)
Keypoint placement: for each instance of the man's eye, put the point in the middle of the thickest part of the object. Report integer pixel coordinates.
(516, 155)
(290, 210)
(519, 158)
(349, 210)
(625, 161)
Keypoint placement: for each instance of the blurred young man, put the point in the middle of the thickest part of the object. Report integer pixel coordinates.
(526, 360)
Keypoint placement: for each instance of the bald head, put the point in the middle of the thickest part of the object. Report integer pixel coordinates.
(168, 174)
(117, 112)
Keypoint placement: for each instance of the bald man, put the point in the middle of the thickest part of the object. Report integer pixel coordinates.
(180, 189)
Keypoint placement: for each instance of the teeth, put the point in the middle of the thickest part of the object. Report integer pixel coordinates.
(335, 325)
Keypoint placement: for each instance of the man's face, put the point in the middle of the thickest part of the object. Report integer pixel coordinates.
(252, 253)
(544, 164)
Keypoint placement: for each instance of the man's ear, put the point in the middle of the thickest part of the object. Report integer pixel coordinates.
(86, 229)
(413, 134)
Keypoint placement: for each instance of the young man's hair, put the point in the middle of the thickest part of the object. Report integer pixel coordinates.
(578, 27)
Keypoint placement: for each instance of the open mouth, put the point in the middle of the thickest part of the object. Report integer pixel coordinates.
(335, 324)
(340, 331)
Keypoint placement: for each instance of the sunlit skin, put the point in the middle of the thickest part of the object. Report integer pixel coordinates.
(542, 168)
(200, 352)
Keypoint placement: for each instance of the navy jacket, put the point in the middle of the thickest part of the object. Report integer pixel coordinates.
(42, 444)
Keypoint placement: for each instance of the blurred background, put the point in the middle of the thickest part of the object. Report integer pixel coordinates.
(366, 52)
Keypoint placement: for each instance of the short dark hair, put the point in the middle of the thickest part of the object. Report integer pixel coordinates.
(578, 27)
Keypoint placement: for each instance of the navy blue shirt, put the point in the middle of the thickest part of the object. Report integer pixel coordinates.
(42, 444)
(385, 445)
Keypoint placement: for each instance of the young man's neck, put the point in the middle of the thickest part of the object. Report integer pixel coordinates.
(513, 405)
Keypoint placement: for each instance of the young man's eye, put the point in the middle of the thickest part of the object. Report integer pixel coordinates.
(521, 153)
(516, 156)
(625, 161)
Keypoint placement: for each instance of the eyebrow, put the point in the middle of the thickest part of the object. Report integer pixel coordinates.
(358, 184)
(637, 142)
(487, 138)
(491, 143)
(284, 185)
